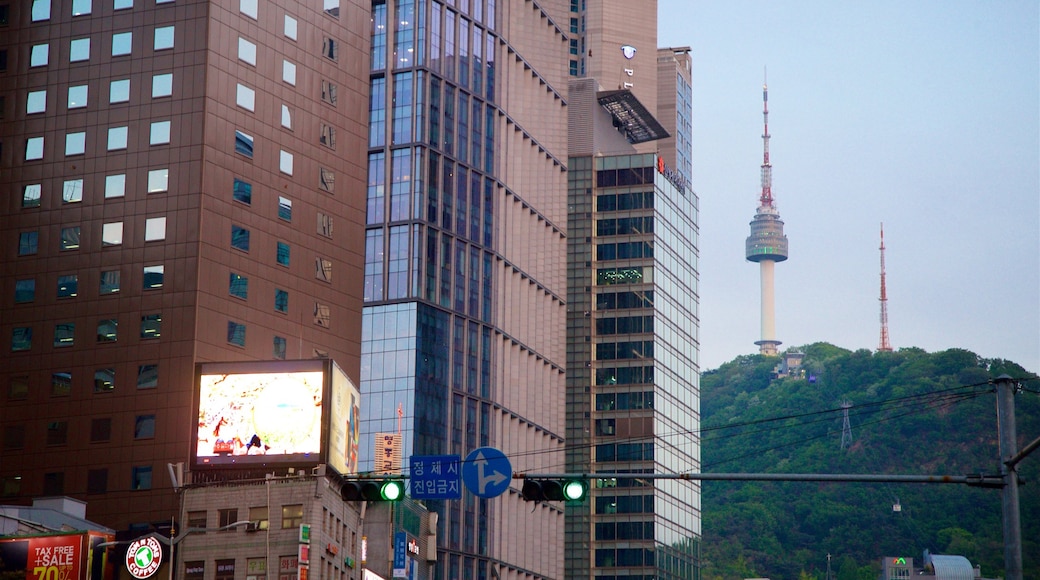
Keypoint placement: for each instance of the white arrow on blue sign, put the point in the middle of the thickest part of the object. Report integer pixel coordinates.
(487, 472)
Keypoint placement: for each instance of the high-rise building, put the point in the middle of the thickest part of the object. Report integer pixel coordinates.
(465, 259)
(633, 394)
(182, 182)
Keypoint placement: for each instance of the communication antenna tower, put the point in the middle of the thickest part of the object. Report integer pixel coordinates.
(846, 427)
(884, 345)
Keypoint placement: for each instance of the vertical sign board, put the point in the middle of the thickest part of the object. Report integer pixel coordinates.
(388, 454)
(435, 477)
(400, 554)
(344, 433)
(287, 566)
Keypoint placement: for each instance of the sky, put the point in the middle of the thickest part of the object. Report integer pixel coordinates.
(922, 115)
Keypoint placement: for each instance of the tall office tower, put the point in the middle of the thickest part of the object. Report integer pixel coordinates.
(767, 243)
(172, 172)
(465, 259)
(633, 395)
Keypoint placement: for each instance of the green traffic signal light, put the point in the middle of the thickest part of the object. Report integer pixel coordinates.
(574, 490)
(392, 490)
(373, 490)
(569, 490)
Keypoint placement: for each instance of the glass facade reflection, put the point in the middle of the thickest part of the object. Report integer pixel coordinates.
(641, 391)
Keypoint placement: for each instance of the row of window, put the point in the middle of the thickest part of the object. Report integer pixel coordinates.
(41, 9)
(625, 452)
(118, 138)
(625, 251)
(624, 300)
(111, 235)
(625, 375)
(153, 278)
(73, 190)
(625, 401)
(104, 382)
(97, 482)
(107, 331)
(78, 96)
(57, 432)
(122, 45)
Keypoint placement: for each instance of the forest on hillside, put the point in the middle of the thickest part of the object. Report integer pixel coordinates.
(912, 413)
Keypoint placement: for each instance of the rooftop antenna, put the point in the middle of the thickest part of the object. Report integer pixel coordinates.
(884, 345)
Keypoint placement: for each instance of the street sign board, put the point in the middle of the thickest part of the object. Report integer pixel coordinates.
(487, 472)
(435, 477)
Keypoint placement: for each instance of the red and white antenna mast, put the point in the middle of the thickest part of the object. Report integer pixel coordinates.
(884, 346)
(766, 198)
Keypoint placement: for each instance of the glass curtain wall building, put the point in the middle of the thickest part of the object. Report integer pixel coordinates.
(636, 380)
(463, 340)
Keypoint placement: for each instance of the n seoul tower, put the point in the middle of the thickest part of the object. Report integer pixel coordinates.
(767, 243)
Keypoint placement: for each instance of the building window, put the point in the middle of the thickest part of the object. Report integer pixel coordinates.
(332, 8)
(141, 477)
(279, 348)
(162, 85)
(61, 384)
(324, 225)
(281, 300)
(242, 191)
(14, 437)
(107, 330)
(144, 427)
(147, 376)
(122, 4)
(327, 180)
(323, 269)
(238, 286)
(28, 243)
(81, 7)
(244, 144)
(68, 286)
(153, 277)
(39, 55)
(109, 283)
(321, 315)
(163, 38)
(330, 48)
(72, 191)
(246, 51)
(18, 388)
(57, 432)
(286, 117)
(119, 91)
(236, 333)
(290, 27)
(155, 229)
(160, 133)
(79, 49)
(24, 291)
(64, 334)
(100, 430)
(117, 137)
(41, 10)
(285, 208)
(292, 516)
(104, 380)
(115, 185)
(239, 238)
(328, 136)
(54, 483)
(248, 7)
(78, 96)
(36, 102)
(258, 515)
(75, 143)
(31, 195)
(70, 238)
(289, 72)
(21, 338)
(285, 162)
(245, 97)
(197, 519)
(33, 148)
(328, 92)
(111, 234)
(282, 255)
(122, 42)
(97, 481)
(158, 180)
(151, 326)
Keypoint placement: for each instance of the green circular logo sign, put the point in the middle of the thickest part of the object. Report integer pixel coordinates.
(143, 557)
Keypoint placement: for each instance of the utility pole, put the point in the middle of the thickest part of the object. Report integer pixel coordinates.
(1006, 388)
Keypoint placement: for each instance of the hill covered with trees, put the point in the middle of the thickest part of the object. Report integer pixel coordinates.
(912, 413)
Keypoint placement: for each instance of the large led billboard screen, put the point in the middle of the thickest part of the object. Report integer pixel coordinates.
(260, 413)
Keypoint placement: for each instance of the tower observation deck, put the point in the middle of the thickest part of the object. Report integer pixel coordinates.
(767, 243)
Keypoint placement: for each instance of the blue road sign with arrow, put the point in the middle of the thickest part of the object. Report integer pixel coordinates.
(487, 472)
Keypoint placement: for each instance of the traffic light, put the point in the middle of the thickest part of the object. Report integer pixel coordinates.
(373, 490)
(568, 490)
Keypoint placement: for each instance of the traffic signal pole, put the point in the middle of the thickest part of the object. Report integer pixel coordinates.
(1009, 458)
